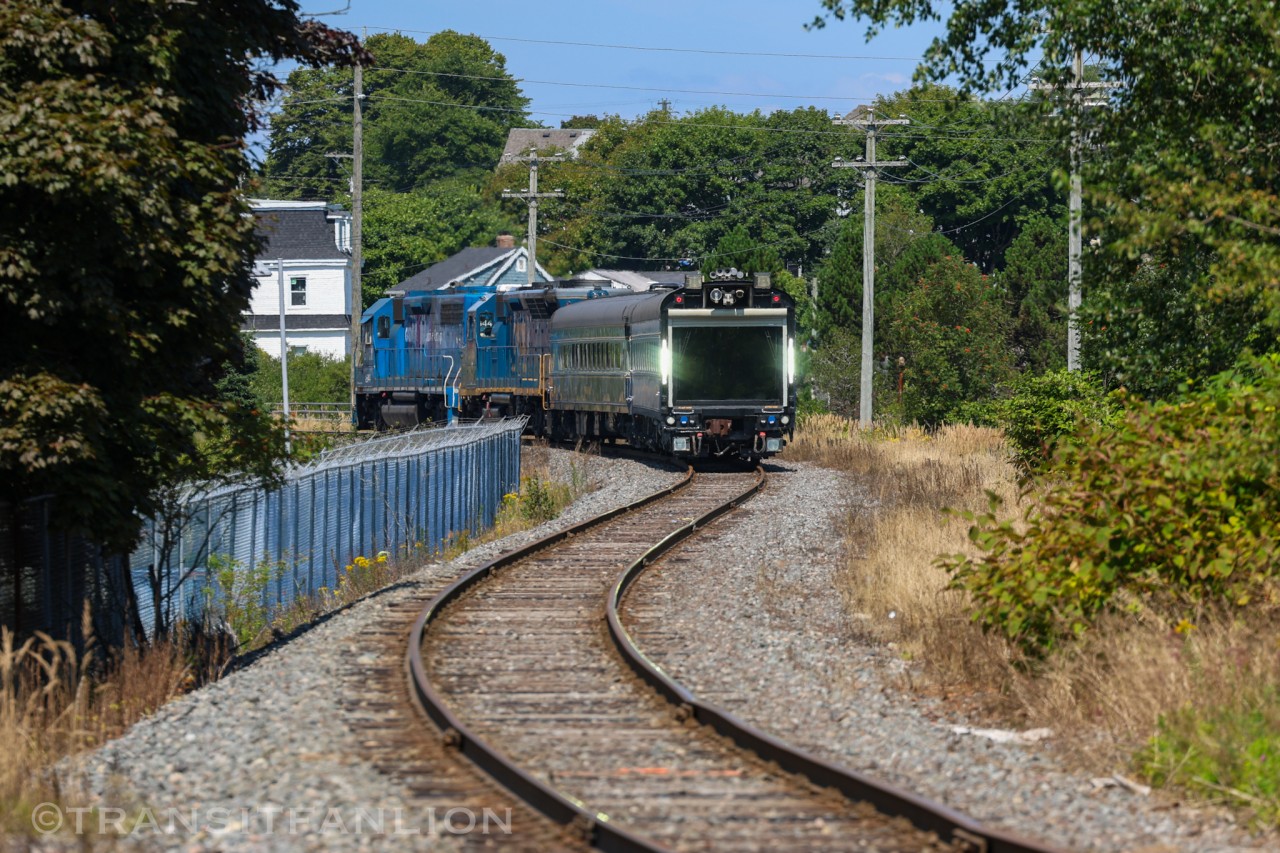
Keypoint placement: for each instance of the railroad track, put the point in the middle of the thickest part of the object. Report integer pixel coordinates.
(527, 669)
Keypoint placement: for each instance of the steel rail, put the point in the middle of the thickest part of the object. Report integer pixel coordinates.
(595, 828)
(925, 814)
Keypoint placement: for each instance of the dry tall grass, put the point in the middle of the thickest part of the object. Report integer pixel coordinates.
(890, 582)
(1103, 696)
(55, 703)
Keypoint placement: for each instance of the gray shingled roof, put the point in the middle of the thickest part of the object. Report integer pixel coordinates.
(259, 322)
(521, 139)
(454, 267)
(297, 235)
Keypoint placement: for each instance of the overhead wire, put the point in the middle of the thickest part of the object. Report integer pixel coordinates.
(668, 49)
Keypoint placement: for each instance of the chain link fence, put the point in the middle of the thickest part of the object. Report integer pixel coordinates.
(47, 578)
(403, 494)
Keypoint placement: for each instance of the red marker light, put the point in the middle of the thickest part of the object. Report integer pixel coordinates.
(776, 299)
(762, 435)
(679, 300)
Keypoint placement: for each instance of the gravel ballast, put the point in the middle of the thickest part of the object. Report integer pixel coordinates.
(766, 637)
(281, 740)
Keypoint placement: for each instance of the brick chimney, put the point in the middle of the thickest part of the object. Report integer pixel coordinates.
(505, 241)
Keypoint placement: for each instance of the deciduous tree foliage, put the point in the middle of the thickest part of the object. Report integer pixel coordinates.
(125, 243)
(406, 232)
(950, 329)
(666, 189)
(976, 168)
(433, 110)
(1155, 330)
(1184, 154)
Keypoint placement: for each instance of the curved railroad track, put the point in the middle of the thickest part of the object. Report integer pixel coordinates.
(526, 667)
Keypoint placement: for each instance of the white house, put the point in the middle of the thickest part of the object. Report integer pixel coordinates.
(312, 241)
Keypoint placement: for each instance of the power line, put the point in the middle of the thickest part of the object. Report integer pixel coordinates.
(643, 88)
(948, 179)
(702, 51)
(979, 219)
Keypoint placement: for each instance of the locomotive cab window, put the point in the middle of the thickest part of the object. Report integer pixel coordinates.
(702, 374)
(384, 326)
(484, 323)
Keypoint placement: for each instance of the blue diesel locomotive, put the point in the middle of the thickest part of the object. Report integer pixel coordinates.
(702, 371)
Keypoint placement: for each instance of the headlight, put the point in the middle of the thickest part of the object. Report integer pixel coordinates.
(716, 295)
(786, 420)
(670, 420)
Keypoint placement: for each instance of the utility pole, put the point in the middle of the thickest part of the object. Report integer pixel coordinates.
(1075, 274)
(532, 195)
(357, 229)
(865, 120)
(284, 357)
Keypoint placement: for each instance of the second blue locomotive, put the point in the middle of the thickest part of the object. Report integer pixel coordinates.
(706, 370)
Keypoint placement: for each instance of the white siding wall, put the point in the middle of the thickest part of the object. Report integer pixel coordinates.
(330, 342)
(328, 288)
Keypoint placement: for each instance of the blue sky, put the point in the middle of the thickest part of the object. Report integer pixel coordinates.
(676, 36)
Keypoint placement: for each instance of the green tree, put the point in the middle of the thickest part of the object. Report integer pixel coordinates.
(839, 302)
(1035, 281)
(663, 191)
(406, 232)
(902, 233)
(1155, 330)
(738, 250)
(420, 117)
(125, 242)
(581, 122)
(950, 329)
(1185, 152)
(977, 168)
(313, 378)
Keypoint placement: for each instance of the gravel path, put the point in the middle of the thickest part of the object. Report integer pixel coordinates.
(778, 651)
(275, 756)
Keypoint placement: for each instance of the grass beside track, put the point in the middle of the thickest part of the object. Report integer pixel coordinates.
(1192, 703)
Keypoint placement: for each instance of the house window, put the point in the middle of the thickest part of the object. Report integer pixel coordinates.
(294, 352)
(522, 265)
(298, 290)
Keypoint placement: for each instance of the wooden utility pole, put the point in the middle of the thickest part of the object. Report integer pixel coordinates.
(865, 120)
(1075, 274)
(357, 230)
(532, 195)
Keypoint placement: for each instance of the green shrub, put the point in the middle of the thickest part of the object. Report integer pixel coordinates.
(1044, 409)
(1178, 502)
(236, 596)
(1229, 750)
(542, 500)
(313, 378)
